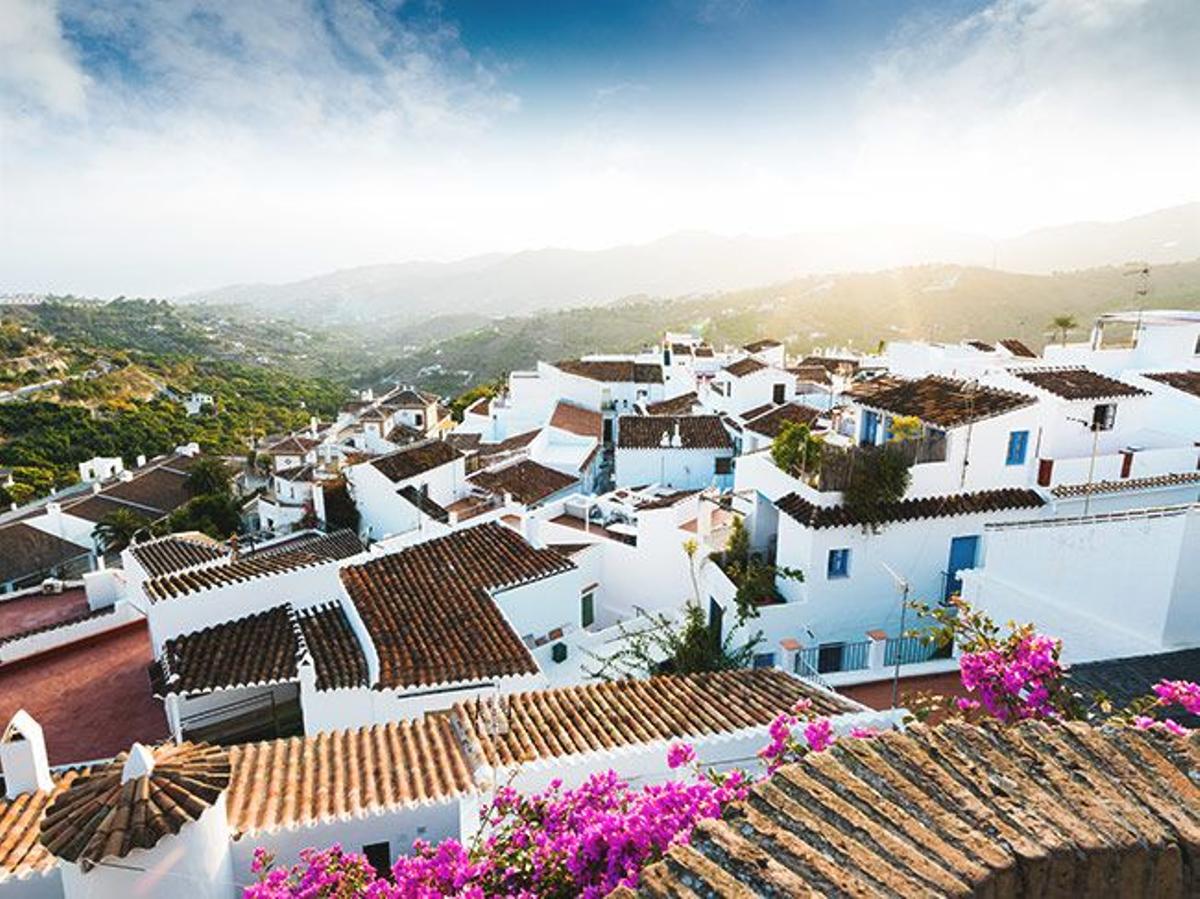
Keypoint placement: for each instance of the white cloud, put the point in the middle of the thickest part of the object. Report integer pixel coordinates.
(37, 68)
(1031, 111)
(273, 140)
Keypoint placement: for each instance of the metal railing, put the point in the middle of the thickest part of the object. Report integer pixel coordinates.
(836, 658)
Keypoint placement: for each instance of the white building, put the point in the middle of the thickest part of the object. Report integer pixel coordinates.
(684, 452)
(372, 789)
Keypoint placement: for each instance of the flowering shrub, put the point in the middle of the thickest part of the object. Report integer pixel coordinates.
(591, 839)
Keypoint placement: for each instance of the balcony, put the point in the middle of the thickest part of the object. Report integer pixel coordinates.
(873, 659)
(837, 463)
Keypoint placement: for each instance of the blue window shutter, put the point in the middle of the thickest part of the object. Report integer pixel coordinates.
(839, 563)
(1018, 442)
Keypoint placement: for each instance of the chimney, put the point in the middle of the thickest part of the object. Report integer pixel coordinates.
(95, 487)
(532, 531)
(54, 515)
(23, 756)
(233, 548)
(666, 439)
(125, 476)
(141, 460)
(312, 426)
(676, 440)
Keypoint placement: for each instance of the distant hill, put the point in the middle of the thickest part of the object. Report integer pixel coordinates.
(936, 302)
(693, 263)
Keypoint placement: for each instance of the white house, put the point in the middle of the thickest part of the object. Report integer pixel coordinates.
(394, 492)
(685, 452)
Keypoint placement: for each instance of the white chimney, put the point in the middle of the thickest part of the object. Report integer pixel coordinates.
(676, 440)
(95, 487)
(139, 763)
(666, 439)
(125, 476)
(54, 516)
(533, 527)
(312, 426)
(23, 756)
(141, 460)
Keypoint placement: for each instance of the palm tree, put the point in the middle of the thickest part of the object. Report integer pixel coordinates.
(1063, 324)
(207, 476)
(116, 530)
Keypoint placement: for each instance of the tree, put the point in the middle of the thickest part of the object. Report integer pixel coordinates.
(214, 514)
(208, 476)
(795, 448)
(116, 530)
(690, 645)
(905, 427)
(879, 477)
(1062, 325)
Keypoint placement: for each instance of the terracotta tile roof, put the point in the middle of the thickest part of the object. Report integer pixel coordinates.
(336, 653)
(429, 611)
(812, 516)
(757, 346)
(529, 482)
(159, 488)
(416, 459)
(26, 551)
(482, 406)
(831, 364)
(1078, 383)
(410, 398)
(176, 552)
(97, 506)
(402, 435)
(1187, 381)
(757, 411)
(703, 351)
(1017, 348)
(345, 774)
(940, 401)
(695, 431)
(301, 474)
(958, 810)
(772, 422)
(257, 649)
(680, 405)
(183, 583)
(1175, 479)
(577, 420)
(743, 367)
(292, 445)
(509, 444)
(339, 544)
(817, 375)
(99, 817)
(547, 724)
(613, 371)
(21, 851)
(465, 443)
(981, 346)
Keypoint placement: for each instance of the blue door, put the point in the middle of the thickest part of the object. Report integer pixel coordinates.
(870, 427)
(964, 552)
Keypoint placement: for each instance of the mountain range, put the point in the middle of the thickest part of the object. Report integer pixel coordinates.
(690, 263)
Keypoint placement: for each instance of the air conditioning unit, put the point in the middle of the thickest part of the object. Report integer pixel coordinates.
(52, 585)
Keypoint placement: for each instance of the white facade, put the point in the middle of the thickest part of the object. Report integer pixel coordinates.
(1109, 585)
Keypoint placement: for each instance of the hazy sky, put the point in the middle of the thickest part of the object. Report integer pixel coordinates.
(158, 146)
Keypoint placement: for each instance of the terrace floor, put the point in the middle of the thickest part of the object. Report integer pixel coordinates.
(878, 694)
(40, 610)
(92, 698)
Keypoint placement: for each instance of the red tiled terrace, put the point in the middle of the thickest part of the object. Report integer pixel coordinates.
(92, 698)
(40, 610)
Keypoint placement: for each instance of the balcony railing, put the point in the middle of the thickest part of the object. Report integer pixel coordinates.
(836, 658)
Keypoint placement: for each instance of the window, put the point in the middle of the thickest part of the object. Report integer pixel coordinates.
(829, 657)
(764, 660)
(779, 393)
(724, 465)
(587, 609)
(420, 420)
(1196, 348)
(1018, 443)
(1104, 416)
(839, 563)
(380, 857)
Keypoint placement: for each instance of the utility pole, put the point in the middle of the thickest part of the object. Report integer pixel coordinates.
(903, 585)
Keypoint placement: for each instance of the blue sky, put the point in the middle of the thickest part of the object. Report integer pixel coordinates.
(159, 146)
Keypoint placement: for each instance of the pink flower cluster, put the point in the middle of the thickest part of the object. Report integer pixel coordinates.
(575, 842)
(1017, 682)
(1179, 692)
